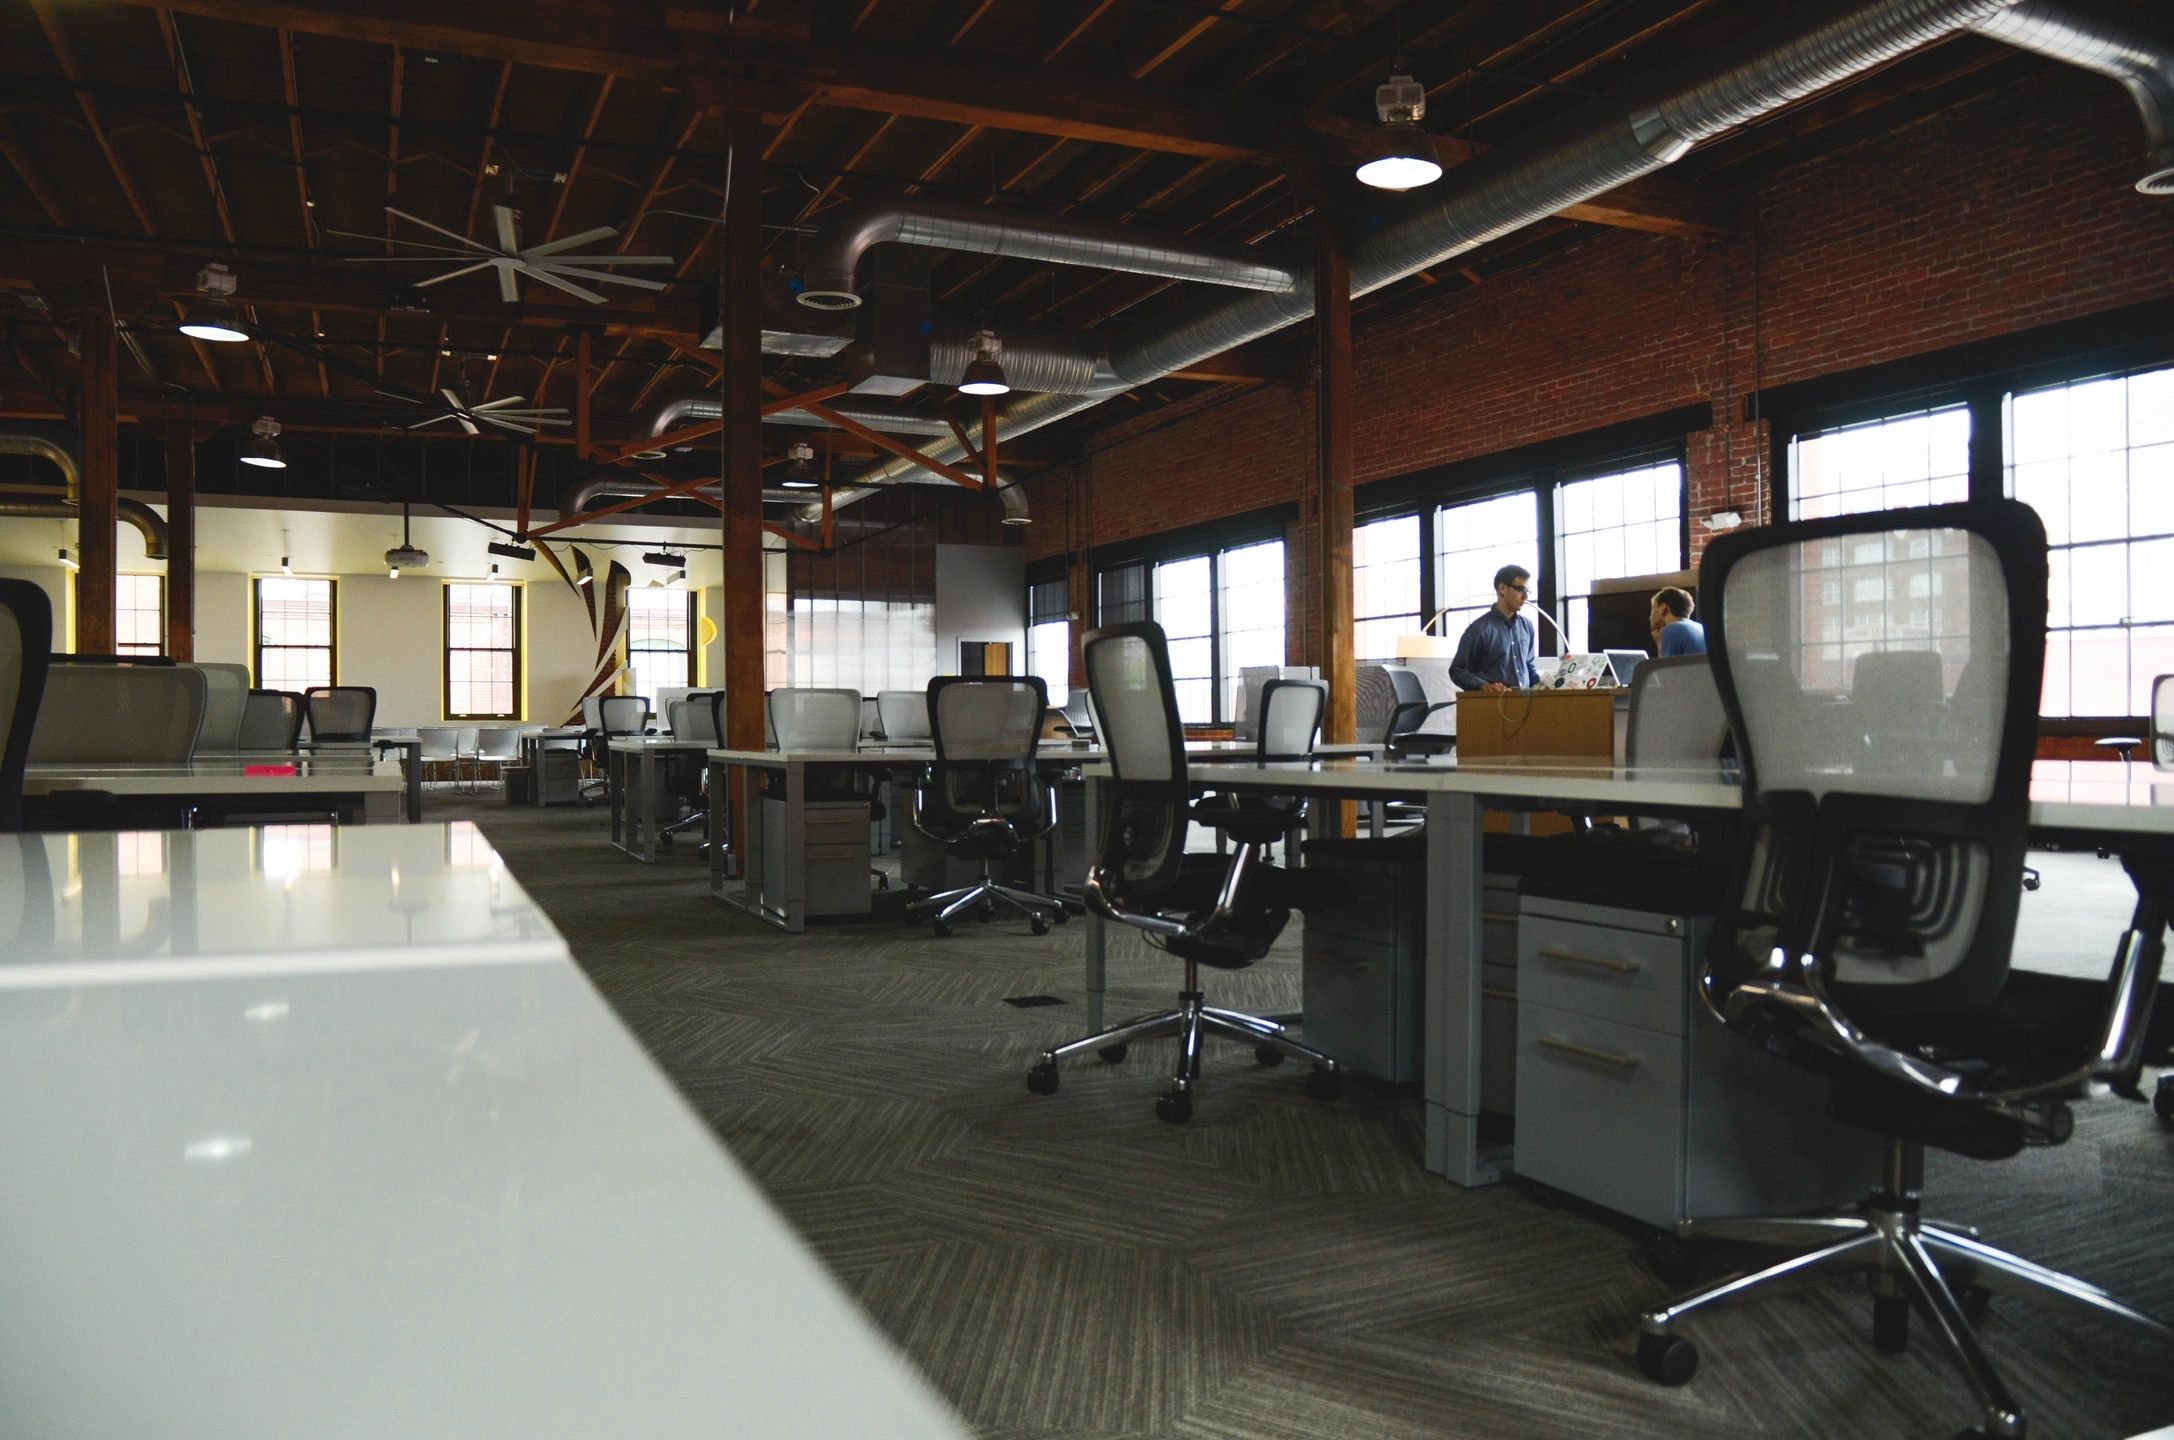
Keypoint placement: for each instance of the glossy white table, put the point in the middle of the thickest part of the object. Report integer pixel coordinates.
(317, 1131)
(630, 770)
(2080, 801)
(352, 785)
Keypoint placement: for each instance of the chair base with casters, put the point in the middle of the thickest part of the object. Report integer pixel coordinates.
(1941, 1267)
(985, 895)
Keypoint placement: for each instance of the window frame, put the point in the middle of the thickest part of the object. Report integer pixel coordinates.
(159, 581)
(1057, 581)
(447, 650)
(256, 626)
(627, 652)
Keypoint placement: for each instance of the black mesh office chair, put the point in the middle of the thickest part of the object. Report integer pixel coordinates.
(26, 649)
(271, 721)
(692, 717)
(984, 798)
(1867, 932)
(1198, 908)
(340, 713)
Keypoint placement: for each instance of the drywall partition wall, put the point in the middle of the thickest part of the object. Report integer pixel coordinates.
(981, 594)
(223, 619)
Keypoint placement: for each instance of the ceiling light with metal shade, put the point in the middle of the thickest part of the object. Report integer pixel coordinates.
(984, 376)
(212, 316)
(799, 472)
(1401, 155)
(262, 447)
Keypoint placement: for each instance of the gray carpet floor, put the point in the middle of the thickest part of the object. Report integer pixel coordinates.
(1281, 1267)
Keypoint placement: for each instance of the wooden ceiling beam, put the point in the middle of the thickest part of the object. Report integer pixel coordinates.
(65, 55)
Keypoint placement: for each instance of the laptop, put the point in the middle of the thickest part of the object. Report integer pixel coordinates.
(1625, 663)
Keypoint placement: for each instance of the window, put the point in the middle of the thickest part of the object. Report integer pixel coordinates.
(139, 614)
(2095, 459)
(482, 652)
(1921, 458)
(1121, 595)
(1385, 596)
(1249, 605)
(1185, 608)
(1626, 523)
(1475, 540)
(294, 641)
(1049, 636)
(660, 640)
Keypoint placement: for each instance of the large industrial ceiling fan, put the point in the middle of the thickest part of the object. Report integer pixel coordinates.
(550, 262)
(510, 412)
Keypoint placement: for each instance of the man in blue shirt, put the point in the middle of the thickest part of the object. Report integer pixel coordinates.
(1674, 631)
(1500, 649)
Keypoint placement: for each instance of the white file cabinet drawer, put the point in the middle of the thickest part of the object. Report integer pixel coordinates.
(1635, 976)
(1600, 1110)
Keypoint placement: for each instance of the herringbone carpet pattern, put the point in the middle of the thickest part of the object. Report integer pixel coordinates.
(1280, 1269)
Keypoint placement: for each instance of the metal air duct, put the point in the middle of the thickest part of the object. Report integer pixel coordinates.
(2111, 44)
(606, 488)
(148, 522)
(834, 255)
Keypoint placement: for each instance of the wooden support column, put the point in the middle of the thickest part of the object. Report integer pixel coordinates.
(98, 513)
(180, 543)
(1332, 472)
(740, 393)
(584, 378)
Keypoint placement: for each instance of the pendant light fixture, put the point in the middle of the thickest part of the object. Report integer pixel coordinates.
(984, 376)
(799, 472)
(286, 560)
(404, 555)
(211, 316)
(66, 561)
(1401, 155)
(262, 447)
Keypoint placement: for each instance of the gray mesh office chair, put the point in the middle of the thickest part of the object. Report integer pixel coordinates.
(692, 717)
(617, 716)
(904, 715)
(984, 798)
(812, 719)
(1868, 928)
(226, 695)
(119, 715)
(26, 648)
(340, 713)
(271, 721)
(1196, 907)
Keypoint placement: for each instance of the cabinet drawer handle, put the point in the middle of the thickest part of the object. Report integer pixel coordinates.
(1587, 1052)
(1619, 967)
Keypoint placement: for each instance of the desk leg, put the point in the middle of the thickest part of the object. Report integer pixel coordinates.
(411, 766)
(719, 783)
(645, 810)
(795, 868)
(1454, 924)
(614, 793)
(1097, 931)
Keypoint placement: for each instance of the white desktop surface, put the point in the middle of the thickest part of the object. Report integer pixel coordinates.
(359, 1156)
(224, 775)
(637, 744)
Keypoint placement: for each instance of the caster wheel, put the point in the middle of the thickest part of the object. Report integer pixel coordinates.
(1268, 1056)
(1112, 1054)
(1668, 1359)
(1674, 1261)
(1890, 1324)
(1325, 1084)
(1042, 1079)
(1039, 927)
(1174, 1107)
(2162, 1101)
(1976, 1300)
(943, 928)
(1062, 916)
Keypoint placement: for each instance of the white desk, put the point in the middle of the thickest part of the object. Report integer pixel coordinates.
(353, 786)
(2077, 800)
(313, 1131)
(630, 770)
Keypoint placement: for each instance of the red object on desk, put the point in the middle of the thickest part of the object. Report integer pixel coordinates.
(271, 770)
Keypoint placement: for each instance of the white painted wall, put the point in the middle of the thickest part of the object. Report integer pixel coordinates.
(981, 595)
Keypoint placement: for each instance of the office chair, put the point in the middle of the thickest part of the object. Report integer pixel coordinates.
(1197, 908)
(1867, 932)
(1408, 711)
(497, 746)
(26, 649)
(271, 721)
(100, 714)
(616, 717)
(226, 694)
(984, 798)
(904, 716)
(692, 718)
(340, 713)
(821, 719)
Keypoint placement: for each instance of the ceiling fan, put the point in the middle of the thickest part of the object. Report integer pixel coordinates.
(511, 412)
(549, 262)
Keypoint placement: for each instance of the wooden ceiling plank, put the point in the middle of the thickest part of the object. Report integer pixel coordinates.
(65, 55)
(1182, 39)
(40, 188)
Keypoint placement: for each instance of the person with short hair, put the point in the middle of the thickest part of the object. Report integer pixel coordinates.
(1674, 631)
(1500, 650)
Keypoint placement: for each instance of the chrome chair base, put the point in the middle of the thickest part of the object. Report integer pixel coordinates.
(699, 820)
(1908, 1258)
(986, 892)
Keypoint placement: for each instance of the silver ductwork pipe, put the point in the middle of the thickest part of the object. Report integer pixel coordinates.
(2107, 43)
(833, 256)
(148, 522)
(605, 488)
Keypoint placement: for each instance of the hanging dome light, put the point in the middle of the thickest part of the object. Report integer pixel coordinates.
(1401, 155)
(984, 376)
(799, 473)
(262, 447)
(211, 316)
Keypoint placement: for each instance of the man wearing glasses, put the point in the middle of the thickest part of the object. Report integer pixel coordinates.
(1500, 650)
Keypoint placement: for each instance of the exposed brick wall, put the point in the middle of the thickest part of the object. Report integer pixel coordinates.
(2013, 210)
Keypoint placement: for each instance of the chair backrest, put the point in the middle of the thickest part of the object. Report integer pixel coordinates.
(1290, 718)
(986, 731)
(694, 717)
(26, 650)
(592, 712)
(904, 714)
(119, 715)
(1252, 679)
(226, 692)
(1079, 710)
(622, 714)
(1881, 674)
(2162, 723)
(816, 719)
(439, 742)
(1675, 713)
(871, 718)
(1408, 700)
(271, 720)
(1143, 827)
(341, 712)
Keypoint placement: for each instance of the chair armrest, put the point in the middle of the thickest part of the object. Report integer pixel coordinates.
(1099, 900)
